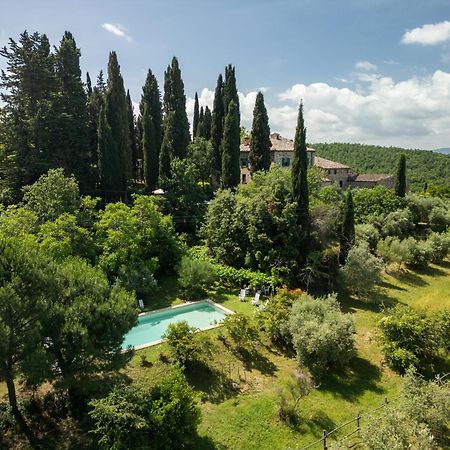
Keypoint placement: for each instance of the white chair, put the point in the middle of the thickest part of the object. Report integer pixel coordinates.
(141, 303)
(242, 295)
(255, 300)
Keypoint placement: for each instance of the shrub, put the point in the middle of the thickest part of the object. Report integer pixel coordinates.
(183, 342)
(409, 338)
(195, 276)
(397, 223)
(361, 271)
(439, 218)
(241, 330)
(139, 276)
(322, 335)
(439, 245)
(368, 233)
(394, 250)
(163, 417)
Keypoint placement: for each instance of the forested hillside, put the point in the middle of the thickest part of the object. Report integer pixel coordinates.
(422, 166)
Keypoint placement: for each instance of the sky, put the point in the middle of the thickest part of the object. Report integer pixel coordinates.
(369, 71)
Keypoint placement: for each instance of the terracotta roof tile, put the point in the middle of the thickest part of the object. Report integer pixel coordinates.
(327, 164)
(372, 177)
(279, 143)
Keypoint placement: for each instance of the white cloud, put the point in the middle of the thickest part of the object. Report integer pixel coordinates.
(365, 66)
(116, 29)
(429, 34)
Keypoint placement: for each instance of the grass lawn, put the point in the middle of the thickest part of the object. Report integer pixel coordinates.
(238, 395)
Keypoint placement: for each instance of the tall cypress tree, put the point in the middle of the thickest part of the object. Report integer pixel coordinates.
(200, 124)
(259, 156)
(117, 117)
(207, 120)
(72, 138)
(165, 155)
(231, 171)
(151, 100)
(230, 90)
(348, 228)
(299, 175)
(196, 117)
(150, 151)
(175, 102)
(108, 160)
(400, 181)
(101, 85)
(88, 85)
(133, 137)
(218, 118)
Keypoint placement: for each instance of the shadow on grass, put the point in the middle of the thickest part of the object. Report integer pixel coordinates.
(255, 360)
(206, 443)
(410, 278)
(360, 376)
(164, 295)
(377, 301)
(386, 285)
(315, 425)
(213, 384)
(443, 264)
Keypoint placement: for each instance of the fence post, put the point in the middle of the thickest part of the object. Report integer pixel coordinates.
(325, 440)
(358, 418)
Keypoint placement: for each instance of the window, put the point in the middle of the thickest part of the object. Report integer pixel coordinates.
(285, 161)
(335, 171)
(340, 183)
(244, 162)
(244, 178)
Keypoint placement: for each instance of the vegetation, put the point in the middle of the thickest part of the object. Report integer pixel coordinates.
(259, 156)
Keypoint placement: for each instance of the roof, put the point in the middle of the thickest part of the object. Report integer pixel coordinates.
(327, 164)
(360, 177)
(279, 143)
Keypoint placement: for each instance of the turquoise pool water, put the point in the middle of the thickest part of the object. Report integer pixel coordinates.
(152, 326)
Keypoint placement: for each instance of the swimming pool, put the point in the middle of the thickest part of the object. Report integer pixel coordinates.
(152, 326)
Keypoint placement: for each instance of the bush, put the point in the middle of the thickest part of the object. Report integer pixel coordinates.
(439, 218)
(409, 338)
(361, 271)
(396, 251)
(183, 342)
(163, 417)
(195, 276)
(439, 245)
(397, 223)
(322, 335)
(367, 233)
(241, 330)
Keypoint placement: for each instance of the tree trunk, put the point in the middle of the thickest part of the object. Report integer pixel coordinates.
(7, 372)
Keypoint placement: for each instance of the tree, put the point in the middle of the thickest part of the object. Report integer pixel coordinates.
(241, 330)
(132, 131)
(230, 93)
(175, 105)
(218, 116)
(348, 228)
(108, 157)
(200, 123)
(163, 417)
(230, 148)
(195, 277)
(207, 121)
(400, 180)
(183, 342)
(165, 155)
(151, 99)
(259, 156)
(196, 117)
(323, 336)
(119, 150)
(300, 185)
(71, 136)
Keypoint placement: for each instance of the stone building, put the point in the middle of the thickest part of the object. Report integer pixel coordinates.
(282, 153)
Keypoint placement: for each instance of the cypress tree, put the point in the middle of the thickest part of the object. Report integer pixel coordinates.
(207, 123)
(348, 228)
(150, 152)
(117, 117)
(107, 160)
(400, 181)
(151, 99)
(299, 177)
(229, 89)
(196, 117)
(101, 85)
(200, 128)
(231, 171)
(259, 156)
(71, 137)
(88, 85)
(175, 102)
(165, 156)
(217, 130)
(133, 139)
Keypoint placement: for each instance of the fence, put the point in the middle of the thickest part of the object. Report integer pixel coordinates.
(444, 379)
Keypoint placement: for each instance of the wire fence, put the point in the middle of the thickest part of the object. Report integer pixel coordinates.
(323, 442)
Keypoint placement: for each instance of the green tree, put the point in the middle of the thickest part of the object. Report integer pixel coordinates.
(207, 123)
(196, 117)
(195, 277)
(133, 136)
(347, 237)
(163, 417)
(201, 118)
(230, 148)
(183, 342)
(108, 158)
(119, 150)
(71, 136)
(217, 122)
(165, 155)
(300, 186)
(175, 104)
(400, 179)
(230, 93)
(259, 156)
(151, 99)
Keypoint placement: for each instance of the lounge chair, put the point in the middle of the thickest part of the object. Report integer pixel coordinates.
(255, 300)
(242, 295)
(141, 303)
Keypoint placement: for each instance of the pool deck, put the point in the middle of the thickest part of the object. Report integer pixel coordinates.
(215, 305)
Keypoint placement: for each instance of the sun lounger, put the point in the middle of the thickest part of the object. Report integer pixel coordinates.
(242, 295)
(255, 300)
(141, 303)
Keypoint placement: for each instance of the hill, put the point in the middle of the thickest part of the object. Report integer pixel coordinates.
(422, 165)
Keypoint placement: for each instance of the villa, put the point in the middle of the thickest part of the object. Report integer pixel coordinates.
(282, 153)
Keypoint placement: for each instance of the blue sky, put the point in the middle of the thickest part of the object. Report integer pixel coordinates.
(374, 71)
